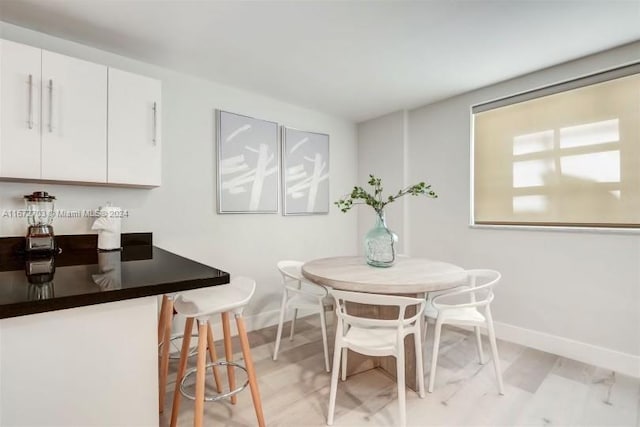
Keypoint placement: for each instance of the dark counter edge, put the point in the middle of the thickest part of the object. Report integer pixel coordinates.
(76, 301)
(8, 245)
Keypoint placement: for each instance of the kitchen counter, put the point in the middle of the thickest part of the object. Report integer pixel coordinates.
(78, 331)
(81, 276)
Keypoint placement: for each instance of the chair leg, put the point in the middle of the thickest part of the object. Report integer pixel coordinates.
(200, 372)
(479, 345)
(214, 357)
(424, 323)
(494, 350)
(251, 373)
(419, 363)
(293, 323)
(228, 353)
(323, 324)
(345, 352)
(402, 404)
(334, 379)
(434, 357)
(283, 311)
(184, 355)
(166, 313)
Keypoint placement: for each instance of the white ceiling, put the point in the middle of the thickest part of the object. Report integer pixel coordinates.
(354, 59)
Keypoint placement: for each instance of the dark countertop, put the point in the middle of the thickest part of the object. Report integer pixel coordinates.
(84, 276)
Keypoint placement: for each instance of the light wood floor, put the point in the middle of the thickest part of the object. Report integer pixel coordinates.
(540, 389)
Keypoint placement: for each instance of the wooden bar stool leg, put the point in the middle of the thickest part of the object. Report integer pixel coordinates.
(251, 373)
(184, 356)
(163, 309)
(161, 328)
(214, 358)
(200, 372)
(228, 353)
(167, 305)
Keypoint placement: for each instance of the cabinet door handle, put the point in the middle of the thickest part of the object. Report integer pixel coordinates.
(30, 114)
(50, 105)
(155, 123)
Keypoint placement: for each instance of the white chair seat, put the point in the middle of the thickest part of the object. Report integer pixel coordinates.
(304, 301)
(454, 314)
(372, 340)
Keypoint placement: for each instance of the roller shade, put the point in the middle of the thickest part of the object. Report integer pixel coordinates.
(566, 155)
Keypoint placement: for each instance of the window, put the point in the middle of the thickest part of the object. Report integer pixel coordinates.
(566, 155)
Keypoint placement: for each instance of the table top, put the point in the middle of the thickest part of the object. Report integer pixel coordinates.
(406, 276)
(81, 277)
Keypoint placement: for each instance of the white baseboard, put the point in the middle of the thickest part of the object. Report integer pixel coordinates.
(265, 319)
(623, 363)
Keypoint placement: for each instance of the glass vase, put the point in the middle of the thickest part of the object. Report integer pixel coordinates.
(380, 244)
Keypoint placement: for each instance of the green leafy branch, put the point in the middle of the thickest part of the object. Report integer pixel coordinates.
(360, 196)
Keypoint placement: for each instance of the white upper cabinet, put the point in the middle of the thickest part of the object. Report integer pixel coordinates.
(134, 127)
(74, 112)
(69, 120)
(19, 110)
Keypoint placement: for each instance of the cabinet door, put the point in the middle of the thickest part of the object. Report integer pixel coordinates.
(74, 113)
(134, 129)
(19, 110)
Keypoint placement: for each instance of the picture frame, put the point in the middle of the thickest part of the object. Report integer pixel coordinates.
(248, 164)
(305, 172)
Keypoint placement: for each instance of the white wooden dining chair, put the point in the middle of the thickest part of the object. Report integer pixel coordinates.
(376, 337)
(475, 312)
(300, 294)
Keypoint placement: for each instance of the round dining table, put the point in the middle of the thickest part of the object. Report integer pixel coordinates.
(408, 276)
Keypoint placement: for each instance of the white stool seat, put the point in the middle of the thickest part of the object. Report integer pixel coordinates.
(217, 299)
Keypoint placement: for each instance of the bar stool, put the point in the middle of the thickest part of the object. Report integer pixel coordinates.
(198, 305)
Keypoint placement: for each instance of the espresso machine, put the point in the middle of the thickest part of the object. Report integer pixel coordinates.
(40, 214)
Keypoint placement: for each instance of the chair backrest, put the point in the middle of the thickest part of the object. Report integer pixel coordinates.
(292, 279)
(479, 288)
(290, 270)
(343, 297)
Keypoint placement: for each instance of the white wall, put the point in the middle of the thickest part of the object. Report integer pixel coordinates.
(182, 212)
(572, 293)
(381, 150)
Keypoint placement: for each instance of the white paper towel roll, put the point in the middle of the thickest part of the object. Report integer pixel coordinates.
(108, 226)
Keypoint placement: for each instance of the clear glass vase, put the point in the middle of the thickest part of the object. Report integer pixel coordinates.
(380, 244)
